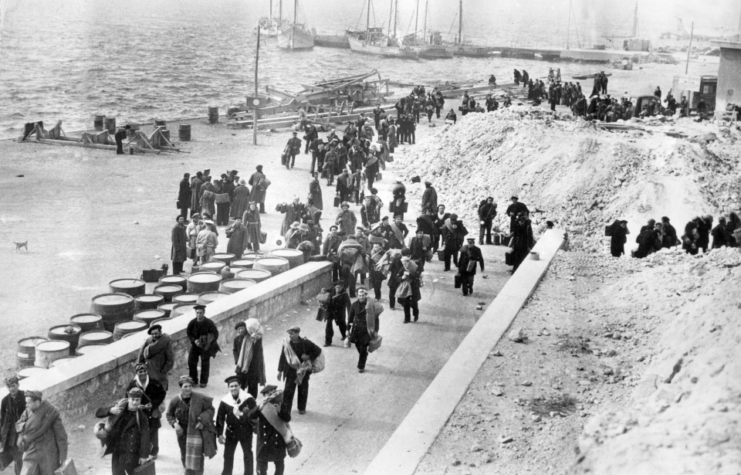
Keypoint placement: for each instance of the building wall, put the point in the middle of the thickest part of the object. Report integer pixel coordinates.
(729, 78)
(96, 379)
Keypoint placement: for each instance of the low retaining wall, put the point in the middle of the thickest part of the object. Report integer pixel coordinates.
(416, 434)
(78, 388)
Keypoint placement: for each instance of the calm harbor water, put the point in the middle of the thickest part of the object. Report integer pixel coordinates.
(136, 60)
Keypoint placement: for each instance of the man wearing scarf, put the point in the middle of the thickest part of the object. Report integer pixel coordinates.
(398, 234)
(376, 276)
(191, 415)
(233, 425)
(295, 366)
(11, 408)
(470, 255)
(273, 431)
(248, 355)
(237, 234)
(453, 233)
(408, 292)
(364, 324)
(203, 336)
(42, 437)
(153, 395)
(439, 219)
(158, 355)
(128, 434)
(346, 220)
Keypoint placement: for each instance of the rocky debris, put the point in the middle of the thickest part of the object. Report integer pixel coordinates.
(517, 335)
(576, 174)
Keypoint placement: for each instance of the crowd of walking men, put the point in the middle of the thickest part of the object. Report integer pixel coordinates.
(698, 232)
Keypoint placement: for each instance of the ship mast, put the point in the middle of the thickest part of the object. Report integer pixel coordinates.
(416, 20)
(391, 12)
(367, 24)
(568, 27)
(635, 21)
(424, 37)
(280, 12)
(460, 23)
(396, 15)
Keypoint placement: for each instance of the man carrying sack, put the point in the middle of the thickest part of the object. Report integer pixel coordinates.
(273, 431)
(295, 366)
(364, 326)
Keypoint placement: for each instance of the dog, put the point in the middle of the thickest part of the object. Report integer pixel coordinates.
(19, 245)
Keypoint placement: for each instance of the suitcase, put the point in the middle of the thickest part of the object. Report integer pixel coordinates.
(147, 468)
(390, 159)
(608, 231)
(152, 275)
(405, 207)
(375, 344)
(379, 177)
(509, 258)
(457, 281)
(337, 201)
(283, 158)
(441, 255)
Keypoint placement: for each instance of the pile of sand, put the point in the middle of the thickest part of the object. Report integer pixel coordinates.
(576, 174)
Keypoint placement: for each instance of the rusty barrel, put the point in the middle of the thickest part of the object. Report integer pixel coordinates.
(148, 302)
(114, 308)
(274, 265)
(110, 125)
(242, 264)
(213, 266)
(173, 280)
(124, 328)
(213, 115)
(184, 132)
(68, 333)
(133, 287)
(207, 297)
(148, 316)
(232, 286)
(48, 351)
(95, 337)
(295, 258)
(185, 298)
(99, 122)
(87, 321)
(167, 308)
(224, 257)
(203, 282)
(257, 275)
(26, 354)
(181, 308)
(168, 291)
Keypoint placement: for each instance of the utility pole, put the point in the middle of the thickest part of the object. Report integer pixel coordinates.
(689, 50)
(255, 113)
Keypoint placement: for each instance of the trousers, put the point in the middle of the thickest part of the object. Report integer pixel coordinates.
(449, 253)
(467, 283)
(247, 383)
(410, 308)
(290, 389)
(485, 229)
(230, 447)
(362, 355)
(329, 330)
(193, 355)
(262, 467)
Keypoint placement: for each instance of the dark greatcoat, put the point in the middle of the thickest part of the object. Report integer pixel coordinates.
(240, 202)
(179, 244)
(258, 192)
(251, 219)
(237, 234)
(195, 193)
(270, 444)
(429, 199)
(154, 394)
(184, 195)
(128, 439)
(315, 194)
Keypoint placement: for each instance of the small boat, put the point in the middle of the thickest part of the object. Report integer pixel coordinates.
(374, 41)
(271, 26)
(331, 41)
(582, 77)
(295, 36)
(465, 48)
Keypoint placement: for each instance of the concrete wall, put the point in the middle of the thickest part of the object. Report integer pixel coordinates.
(729, 77)
(93, 380)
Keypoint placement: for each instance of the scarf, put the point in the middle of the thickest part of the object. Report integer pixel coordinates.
(156, 347)
(229, 399)
(376, 257)
(449, 225)
(397, 232)
(301, 367)
(245, 353)
(143, 386)
(282, 427)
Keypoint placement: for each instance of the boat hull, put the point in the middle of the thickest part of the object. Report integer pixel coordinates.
(469, 51)
(384, 51)
(295, 38)
(435, 52)
(332, 41)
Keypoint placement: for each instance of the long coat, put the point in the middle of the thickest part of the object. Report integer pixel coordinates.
(237, 234)
(159, 358)
(120, 430)
(184, 195)
(258, 192)
(429, 199)
(347, 222)
(195, 193)
(293, 212)
(270, 444)
(43, 438)
(251, 219)
(208, 204)
(315, 194)
(179, 244)
(240, 201)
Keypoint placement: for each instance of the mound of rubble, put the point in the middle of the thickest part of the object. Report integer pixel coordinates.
(576, 173)
(684, 408)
